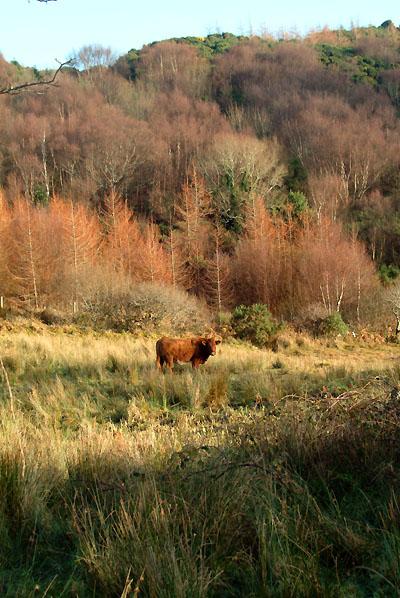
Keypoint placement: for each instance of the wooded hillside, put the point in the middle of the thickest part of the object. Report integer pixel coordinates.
(242, 169)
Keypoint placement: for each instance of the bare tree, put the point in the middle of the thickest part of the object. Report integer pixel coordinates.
(94, 56)
(218, 274)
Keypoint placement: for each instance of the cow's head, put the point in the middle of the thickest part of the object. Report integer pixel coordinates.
(210, 343)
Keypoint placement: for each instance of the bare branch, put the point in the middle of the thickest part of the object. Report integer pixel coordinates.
(14, 89)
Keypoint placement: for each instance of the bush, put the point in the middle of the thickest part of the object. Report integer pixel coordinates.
(332, 325)
(223, 323)
(51, 317)
(146, 307)
(316, 320)
(298, 203)
(388, 274)
(254, 323)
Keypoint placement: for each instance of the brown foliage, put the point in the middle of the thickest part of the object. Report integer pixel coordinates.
(382, 48)
(156, 146)
(131, 249)
(8, 73)
(171, 66)
(193, 207)
(155, 260)
(79, 240)
(5, 217)
(273, 78)
(186, 129)
(331, 137)
(334, 126)
(34, 255)
(332, 269)
(117, 150)
(289, 266)
(326, 36)
(52, 255)
(71, 139)
(48, 251)
(261, 268)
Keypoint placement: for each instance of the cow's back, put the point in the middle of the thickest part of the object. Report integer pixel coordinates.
(178, 349)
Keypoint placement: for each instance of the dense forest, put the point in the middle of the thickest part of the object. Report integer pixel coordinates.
(241, 169)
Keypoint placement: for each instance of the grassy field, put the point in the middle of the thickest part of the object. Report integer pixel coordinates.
(262, 474)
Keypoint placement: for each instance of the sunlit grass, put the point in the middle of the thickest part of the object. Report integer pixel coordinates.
(243, 478)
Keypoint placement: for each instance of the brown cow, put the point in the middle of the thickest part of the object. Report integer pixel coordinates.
(196, 349)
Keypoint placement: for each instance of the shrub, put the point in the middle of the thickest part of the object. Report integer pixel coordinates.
(389, 273)
(318, 322)
(332, 325)
(298, 203)
(146, 307)
(223, 323)
(51, 317)
(254, 323)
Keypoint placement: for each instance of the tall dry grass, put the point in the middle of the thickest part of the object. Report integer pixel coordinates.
(241, 479)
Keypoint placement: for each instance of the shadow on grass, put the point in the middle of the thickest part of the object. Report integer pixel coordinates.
(298, 499)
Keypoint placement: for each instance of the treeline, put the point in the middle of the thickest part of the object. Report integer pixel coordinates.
(68, 255)
(243, 169)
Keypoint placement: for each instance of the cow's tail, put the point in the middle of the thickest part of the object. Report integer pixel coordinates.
(158, 358)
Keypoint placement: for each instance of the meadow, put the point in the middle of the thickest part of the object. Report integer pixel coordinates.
(265, 473)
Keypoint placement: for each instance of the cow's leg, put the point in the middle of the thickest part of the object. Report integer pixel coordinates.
(159, 362)
(170, 363)
(195, 363)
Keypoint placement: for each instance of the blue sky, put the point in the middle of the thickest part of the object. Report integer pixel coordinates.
(36, 34)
